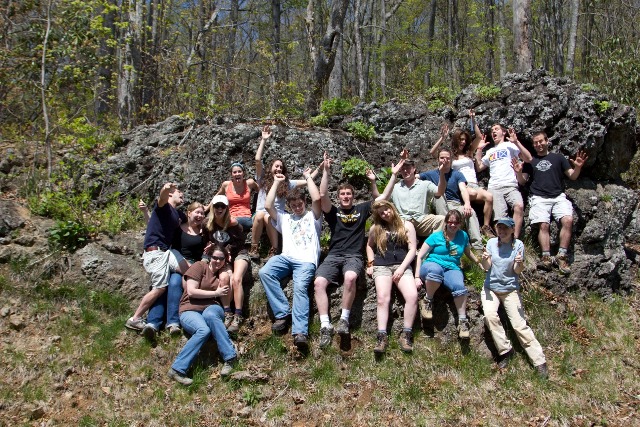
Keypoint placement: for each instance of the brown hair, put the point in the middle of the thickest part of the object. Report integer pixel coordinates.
(283, 187)
(455, 149)
(380, 226)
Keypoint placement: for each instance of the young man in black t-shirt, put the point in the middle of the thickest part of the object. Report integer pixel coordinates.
(547, 199)
(347, 224)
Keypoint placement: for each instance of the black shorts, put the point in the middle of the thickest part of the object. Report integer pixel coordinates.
(334, 266)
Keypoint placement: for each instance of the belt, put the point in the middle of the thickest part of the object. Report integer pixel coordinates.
(152, 248)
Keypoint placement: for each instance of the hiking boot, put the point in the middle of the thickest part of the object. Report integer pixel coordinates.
(149, 332)
(235, 324)
(177, 376)
(174, 330)
(228, 367)
(503, 359)
(301, 342)
(545, 263)
(543, 371)
(406, 341)
(135, 324)
(563, 264)
(253, 253)
(487, 231)
(280, 325)
(273, 251)
(463, 328)
(343, 327)
(382, 343)
(426, 308)
(228, 319)
(326, 336)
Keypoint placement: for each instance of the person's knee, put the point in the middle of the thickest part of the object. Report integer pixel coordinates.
(350, 279)
(567, 221)
(320, 284)
(488, 197)
(410, 298)
(544, 227)
(382, 299)
(518, 208)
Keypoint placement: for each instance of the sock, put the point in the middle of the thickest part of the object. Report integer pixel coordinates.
(562, 251)
(546, 253)
(409, 330)
(227, 310)
(345, 314)
(324, 321)
(238, 312)
(382, 332)
(462, 317)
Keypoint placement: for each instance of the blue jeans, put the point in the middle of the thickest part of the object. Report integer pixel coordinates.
(277, 268)
(246, 222)
(451, 279)
(202, 326)
(169, 302)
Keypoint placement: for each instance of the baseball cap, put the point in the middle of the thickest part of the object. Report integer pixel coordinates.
(506, 221)
(220, 199)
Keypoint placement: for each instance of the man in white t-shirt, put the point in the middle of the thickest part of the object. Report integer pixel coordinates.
(502, 178)
(299, 258)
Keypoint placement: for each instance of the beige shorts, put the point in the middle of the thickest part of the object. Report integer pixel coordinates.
(388, 270)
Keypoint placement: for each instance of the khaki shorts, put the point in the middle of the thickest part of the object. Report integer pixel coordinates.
(388, 270)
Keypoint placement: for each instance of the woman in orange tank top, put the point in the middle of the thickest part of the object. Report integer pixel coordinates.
(238, 192)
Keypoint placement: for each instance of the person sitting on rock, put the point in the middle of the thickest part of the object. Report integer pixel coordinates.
(265, 181)
(547, 200)
(300, 231)
(454, 196)
(158, 259)
(391, 248)
(443, 250)
(503, 183)
(503, 259)
(222, 229)
(238, 193)
(412, 197)
(202, 316)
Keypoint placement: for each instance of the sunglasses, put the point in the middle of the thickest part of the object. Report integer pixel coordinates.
(219, 206)
(217, 258)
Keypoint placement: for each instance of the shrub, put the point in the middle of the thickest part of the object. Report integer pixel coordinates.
(336, 107)
(320, 120)
(601, 107)
(361, 130)
(355, 168)
(487, 93)
(68, 235)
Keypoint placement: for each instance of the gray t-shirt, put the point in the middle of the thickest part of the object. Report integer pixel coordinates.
(501, 277)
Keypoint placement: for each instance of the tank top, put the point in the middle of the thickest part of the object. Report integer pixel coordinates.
(191, 246)
(466, 166)
(395, 253)
(239, 204)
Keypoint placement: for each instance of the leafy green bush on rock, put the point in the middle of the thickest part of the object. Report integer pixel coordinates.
(362, 131)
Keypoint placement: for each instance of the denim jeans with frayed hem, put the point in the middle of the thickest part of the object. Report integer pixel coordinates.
(169, 302)
(202, 327)
(277, 268)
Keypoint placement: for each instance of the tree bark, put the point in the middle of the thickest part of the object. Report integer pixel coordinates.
(489, 39)
(275, 75)
(430, 35)
(521, 35)
(573, 36)
(43, 92)
(129, 65)
(335, 78)
(502, 44)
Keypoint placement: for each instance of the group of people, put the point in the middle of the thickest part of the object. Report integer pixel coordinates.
(197, 261)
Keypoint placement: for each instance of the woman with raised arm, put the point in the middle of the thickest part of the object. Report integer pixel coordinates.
(391, 248)
(264, 178)
(223, 229)
(238, 193)
(443, 251)
(201, 314)
(503, 259)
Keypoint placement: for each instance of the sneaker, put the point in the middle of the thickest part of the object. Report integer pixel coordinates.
(149, 332)
(503, 359)
(343, 327)
(135, 324)
(235, 324)
(280, 325)
(487, 231)
(545, 263)
(326, 336)
(563, 264)
(463, 328)
(228, 318)
(406, 341)
(253, 253)
(382, 341)
(174, 330)
(228, 367)
(301, 342)
(543, 371)
(177, 376)
(426, 308)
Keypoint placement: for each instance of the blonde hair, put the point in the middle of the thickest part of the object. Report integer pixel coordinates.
(193, 206)
(211, 219)
(380, 228)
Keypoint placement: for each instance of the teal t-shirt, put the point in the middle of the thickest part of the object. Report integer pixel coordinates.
(447, 257)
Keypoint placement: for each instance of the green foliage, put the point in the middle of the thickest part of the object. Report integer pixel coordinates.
(68, 235)
(290, 101)
(355, 168)
(325, 239)
(336, 107)
(601, 106)
(251, 397)
(440, 93)
(487, 93)
(435, 105)
(588, 87)
(361, 130)
(320, 120)
(383, 178)
(616, 70)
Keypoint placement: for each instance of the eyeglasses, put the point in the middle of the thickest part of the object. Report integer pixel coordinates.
(219, 206)
(453, 222)
(217, 258)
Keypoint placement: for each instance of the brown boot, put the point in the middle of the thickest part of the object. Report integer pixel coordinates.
(382, 341)
(253, 252)
(563, 264)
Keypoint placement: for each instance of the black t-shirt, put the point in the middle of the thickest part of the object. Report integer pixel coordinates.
(347, 228)
(190, 246)
(546, 175)
(163, 224)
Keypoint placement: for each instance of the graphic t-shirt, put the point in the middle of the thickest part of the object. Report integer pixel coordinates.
(546, 174)
(498, 158)
(347, 228)
(300, 236)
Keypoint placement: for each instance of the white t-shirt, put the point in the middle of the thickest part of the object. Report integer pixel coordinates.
(466, 167)
(498, 158)
(300, 236)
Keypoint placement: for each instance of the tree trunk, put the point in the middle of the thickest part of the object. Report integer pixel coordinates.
(234, 14)
(489, 39)
(43, 92)
(502, 44)
(129, 65)
(275, 75)
(357, 36)
(382, 44)
(335, 79)
(430, 35)
(105, 53)
(573, 36)
(521, 35)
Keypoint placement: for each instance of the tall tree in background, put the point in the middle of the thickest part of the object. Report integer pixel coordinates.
(521, 35)
(129, 63)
